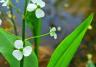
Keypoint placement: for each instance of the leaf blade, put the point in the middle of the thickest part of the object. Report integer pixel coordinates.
(65, 44)
(7, 46)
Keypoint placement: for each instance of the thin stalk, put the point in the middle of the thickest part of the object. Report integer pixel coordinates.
(36, 46)
(37, 36)
(23, 31)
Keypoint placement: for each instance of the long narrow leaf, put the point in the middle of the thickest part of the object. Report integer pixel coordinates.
(67, 48)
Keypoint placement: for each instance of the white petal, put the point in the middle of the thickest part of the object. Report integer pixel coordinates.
(52, 34)
(2, 1)
(53, 29)
(4, 4)
(0, 21)
(34, 1)
(55, 36)
(39, 13)
(59, 28)
(27, 51)
(31, 7)
(41, 3)
(17, 54)
(18, 44)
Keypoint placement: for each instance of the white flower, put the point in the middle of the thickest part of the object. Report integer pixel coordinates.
(90, 27)
(89, 56)
(36, 6)
(0, 21)
(4, 2)
(20, 50)
(53, 32)
(59, 28)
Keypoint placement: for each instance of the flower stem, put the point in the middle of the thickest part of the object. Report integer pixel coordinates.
(23, 31)
(37, 36)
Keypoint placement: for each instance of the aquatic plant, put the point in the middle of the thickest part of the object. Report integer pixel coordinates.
(18, 51)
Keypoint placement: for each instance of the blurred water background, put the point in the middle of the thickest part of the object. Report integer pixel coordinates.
(66, 14)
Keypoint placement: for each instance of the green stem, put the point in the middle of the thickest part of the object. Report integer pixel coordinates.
(37, 36)
(23, 38)
(36, 46)
(23, 31)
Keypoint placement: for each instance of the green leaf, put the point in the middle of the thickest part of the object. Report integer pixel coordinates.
(64, 53)
(35, 26)
(7, 47)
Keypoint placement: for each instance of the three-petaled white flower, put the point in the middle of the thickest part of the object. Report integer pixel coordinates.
(0, 21)
(36, 6)
(53, 32)
(4, 2)
(21, 51)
